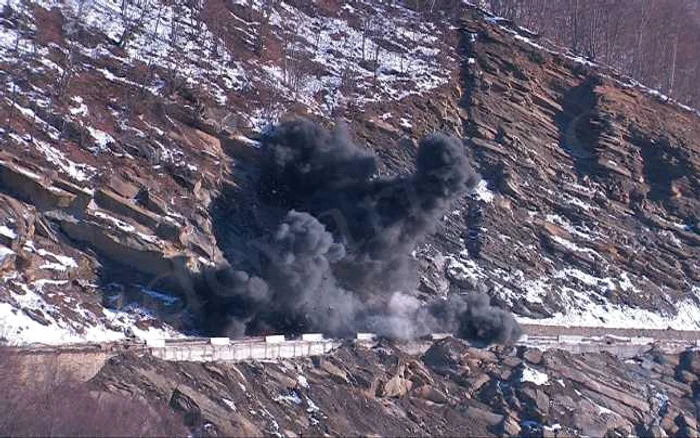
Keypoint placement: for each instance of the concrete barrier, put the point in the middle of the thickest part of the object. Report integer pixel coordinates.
(438, 336)
(274, 339)
(234, 352)
(312, 337)
(366, 336)
(541, 338)
(641, 340)
(570, 339)
(615, 338)
(158, 343)
(219, 341)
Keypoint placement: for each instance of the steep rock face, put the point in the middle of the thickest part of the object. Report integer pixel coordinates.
(129, 144)
(452, 389)
(129, 155)
(592, 215)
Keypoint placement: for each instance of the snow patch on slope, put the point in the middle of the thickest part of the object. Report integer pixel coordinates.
(534, 376)
(620, 316)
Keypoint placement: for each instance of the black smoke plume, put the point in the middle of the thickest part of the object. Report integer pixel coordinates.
(339, 261)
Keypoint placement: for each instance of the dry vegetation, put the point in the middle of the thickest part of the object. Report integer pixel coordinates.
(654, 41)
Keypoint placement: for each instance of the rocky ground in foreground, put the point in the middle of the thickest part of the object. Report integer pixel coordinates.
(451, 389)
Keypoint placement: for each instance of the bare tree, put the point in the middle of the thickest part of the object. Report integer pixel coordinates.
(12, 78)
(654, 41)
(72, 28)
(132, 15)
(263, 25)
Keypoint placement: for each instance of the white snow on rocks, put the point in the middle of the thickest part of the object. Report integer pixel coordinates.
(60, 263)
(583, 295)
(410, 64)
(595, 314)
(102, 139)
(534, 376)
(230, 404)
(4, 253)
(301, 380)
(77, 171)
(7, 232)
(482, 193)
(19, 328)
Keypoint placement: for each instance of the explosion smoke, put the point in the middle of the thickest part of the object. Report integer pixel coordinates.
(340, 262)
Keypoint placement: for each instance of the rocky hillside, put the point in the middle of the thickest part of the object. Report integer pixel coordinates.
(595, 215)
(129, 144)
(451, 390)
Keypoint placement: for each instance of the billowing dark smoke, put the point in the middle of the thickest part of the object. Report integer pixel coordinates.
(379, 220)
(473, 317)
(340, 262)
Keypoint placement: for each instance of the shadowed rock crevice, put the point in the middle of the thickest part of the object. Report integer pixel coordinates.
(579, 126)
(670, 174)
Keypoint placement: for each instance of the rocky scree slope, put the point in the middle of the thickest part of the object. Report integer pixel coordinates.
(450, 390)
(129, 150)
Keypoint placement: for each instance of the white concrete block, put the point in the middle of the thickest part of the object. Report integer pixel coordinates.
(615, 338)
(259, 352)
(219, 341)
(310, 337)
(438, 336)
(287, 350)
(155, 343)
(641, 340)
(315, 350)
(366, 336)
(570, 339)
(274, 339)
(523, 338)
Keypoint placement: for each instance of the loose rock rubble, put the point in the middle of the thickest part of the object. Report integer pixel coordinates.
(452, 389)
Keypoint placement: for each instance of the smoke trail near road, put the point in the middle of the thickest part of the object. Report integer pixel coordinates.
(340, 259)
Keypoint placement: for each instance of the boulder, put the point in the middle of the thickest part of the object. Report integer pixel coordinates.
(532, 355)
(122, 247)
(113, 202)
(656, 431)
(687, 425)
(122, 188)
(152, 201)
(483, 355)
(536, 400)
(383, 126)
(7, 259)
(428, 392)
(508, 427)
(415, 369)
(82, 196)
(33, 188)
(445, 355)
(690, 361)
(476, 382)
(396, 387)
